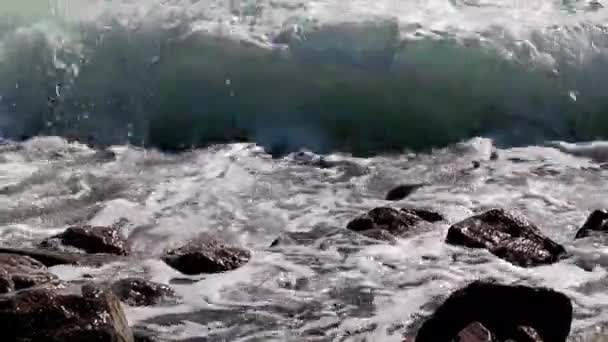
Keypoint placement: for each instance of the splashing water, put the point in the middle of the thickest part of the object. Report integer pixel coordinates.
(358, 77)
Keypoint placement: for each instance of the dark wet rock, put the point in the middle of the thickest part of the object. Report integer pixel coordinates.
(20, 272)
(494, 155)
(475, 332)
(141, 292)
(205, 255)
(503, 310)
(45, 315)
(511, 238)
(402, 191)
(426, 215)
(53, 258)
(476, 164)
(392, 220)
(103, 240)
(596, 222)
(397, 222)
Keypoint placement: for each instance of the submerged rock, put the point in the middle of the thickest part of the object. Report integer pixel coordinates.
(509, 237)
(327, 237)
(103, 240)
(20, 272)
(53, 258)
(426, 215)
(45, 315)
(596, 222)
(141, 292)
(205, 255)
(520, 313)
(396, 222)
(379, 234)
(402, 191)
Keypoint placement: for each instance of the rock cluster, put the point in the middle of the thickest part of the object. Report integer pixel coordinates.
(34, 307)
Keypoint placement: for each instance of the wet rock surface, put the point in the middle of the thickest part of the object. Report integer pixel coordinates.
(51, 258)
(141, 292)
(45, 315)
(90, 239)
(597, 222)
(20, 272)
(402, 191)
(205, 255)
(519, 313)
(395, 222)
(507, 236)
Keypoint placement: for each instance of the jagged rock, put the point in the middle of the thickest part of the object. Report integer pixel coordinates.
(402, 191)
(141, 292)
(396, 222)
(34, 315)
(596, 222)
(426, 215)
(511, 238)
(475, 332)
(103, 240)
(503, 310)
(53, 258)
(20, 272)
(205, 255)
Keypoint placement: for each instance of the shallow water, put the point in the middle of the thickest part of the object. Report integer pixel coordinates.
(329, 284)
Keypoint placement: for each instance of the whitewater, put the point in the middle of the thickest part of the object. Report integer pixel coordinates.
(180, 117)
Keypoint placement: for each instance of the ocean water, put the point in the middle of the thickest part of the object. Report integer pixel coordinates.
(96, 98)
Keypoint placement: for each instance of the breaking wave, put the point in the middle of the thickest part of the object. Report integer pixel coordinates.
(362, 86)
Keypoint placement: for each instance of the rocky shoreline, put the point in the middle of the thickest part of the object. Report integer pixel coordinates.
(35, 305)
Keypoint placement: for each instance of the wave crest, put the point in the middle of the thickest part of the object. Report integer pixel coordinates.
(356, 87)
